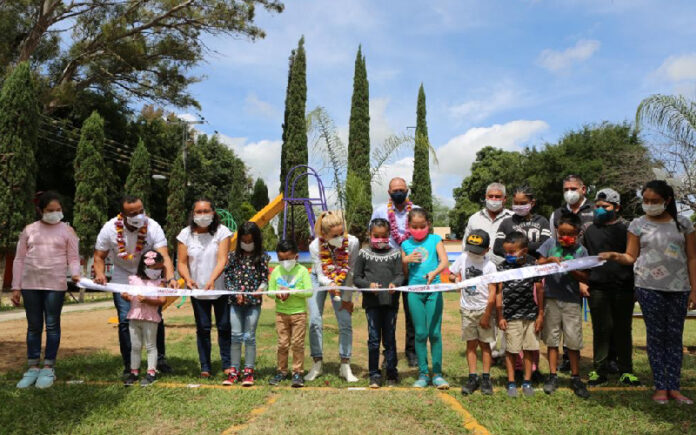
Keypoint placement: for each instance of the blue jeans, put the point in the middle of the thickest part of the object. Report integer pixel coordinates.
(315, 304)
(40, 305)
(243, 320)
(202, 312)
(124, 341)
(381, 329)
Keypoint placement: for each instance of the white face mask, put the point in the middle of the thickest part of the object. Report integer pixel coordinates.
(153, 273)
(52, 217)
(137, 221)
(522, 210)
(203, 220)
(654, 209)
(336, 242)
(571, 196)
(246, 247)
(494, 204)
(288, 265)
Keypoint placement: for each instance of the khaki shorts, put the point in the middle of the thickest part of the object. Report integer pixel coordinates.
(520, 336)
(471, 330)
(562, 317)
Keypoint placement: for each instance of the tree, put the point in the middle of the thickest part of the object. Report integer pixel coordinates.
(259, 197)
(359, 206)
(177, 207)
(421, 187)
(440, 213)
(19, 116)
(138, 182)
(90, 192)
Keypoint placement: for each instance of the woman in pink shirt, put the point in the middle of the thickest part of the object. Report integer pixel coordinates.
(46, 249)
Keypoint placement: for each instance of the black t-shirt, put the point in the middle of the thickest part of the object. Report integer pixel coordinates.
(518, 295)
(604, 238)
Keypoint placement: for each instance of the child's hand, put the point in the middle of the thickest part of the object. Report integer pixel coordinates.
(283, 296)
(609, 256)
(391, 288)
(485, 321)
(374, 285)
(140, 298)
(414, 257)
(502, 324)
(539, 323)
(334, 291)
(210, 286)
(584, 291)
(191, 284)
(457, 278)
(240, 299)
(430, 276)
(556, 260)
(125, 296)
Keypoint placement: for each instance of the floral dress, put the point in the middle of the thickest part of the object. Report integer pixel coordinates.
(243, 273)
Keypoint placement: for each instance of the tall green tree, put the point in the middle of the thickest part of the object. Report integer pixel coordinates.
(19, 118)
(286, 113)
(421, 186)
(259, 197)
(90, 191)
(139, 178)
(177, 207)
(359, 207)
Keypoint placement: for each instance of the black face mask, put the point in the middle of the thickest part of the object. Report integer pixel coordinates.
(398, 197)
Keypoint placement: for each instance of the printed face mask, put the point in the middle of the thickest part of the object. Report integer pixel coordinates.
(52, 217)
(379, 243)
(336, 242)
(602, 215)
(288, 265)
(654, 209)
(203, 220)
(522, 210)
(398, 197)
(567, 241)
(153, 273)
(494, 204)
(246, 247)
(571, 196)
(419, 234)
(136, 221)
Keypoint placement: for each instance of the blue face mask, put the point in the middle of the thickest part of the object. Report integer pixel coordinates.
(399, 196)
(511, 259)
(602, 216)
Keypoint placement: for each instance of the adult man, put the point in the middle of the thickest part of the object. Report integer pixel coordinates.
(125, 238)
(574, 191)
(396, 212)
(490, 217)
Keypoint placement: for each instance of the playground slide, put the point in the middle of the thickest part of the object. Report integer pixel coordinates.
(263, 216)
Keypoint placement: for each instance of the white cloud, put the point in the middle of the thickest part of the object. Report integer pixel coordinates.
(262, 158)
(505, 96)
(556, 61)
(253, 105)
(678, 68)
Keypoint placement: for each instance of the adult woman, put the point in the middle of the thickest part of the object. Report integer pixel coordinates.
(46, 248)
(202, 256)
(333, 255)
(661, 246)
(535, 226)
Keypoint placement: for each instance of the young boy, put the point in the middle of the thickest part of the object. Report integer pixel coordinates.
(476, 305)
(563, 293)
(518, 314)
(611, 287)
(291, 311)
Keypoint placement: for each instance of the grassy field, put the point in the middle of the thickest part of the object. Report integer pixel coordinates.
(93, 400)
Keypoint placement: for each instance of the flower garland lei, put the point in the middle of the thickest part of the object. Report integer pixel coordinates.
(121, 242)
(393, 228)
(336, 268)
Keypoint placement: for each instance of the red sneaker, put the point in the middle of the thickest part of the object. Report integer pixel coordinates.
(248, 377)
(232, 377)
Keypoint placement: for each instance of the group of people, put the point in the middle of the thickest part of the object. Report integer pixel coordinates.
(653, 258)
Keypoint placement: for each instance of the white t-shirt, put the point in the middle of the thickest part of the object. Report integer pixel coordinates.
(474, 298)
(202, 251)
(106, 241)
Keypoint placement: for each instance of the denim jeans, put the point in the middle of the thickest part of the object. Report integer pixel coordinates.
(243, 320)
(202, 312)
(124, 341)
(381, 329)
(40, 305)
(315, 304)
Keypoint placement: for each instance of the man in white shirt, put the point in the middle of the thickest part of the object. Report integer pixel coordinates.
(490, 217)
(132, 219)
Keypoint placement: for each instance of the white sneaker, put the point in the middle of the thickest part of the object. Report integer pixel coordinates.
(314, 372)
(346, 373)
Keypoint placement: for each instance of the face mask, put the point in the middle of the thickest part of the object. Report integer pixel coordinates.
(494, 204)
(602, 215)
(419, 234)
(571, 196)
(654, 209)
(136, 221)
(336, 242)
(288, 265)
(153, 273)
(522, 210)
(379, 243)
(203, 220)
(398, 197)
(246, 247)
(567, 241)
(511, 259)
(52, 217)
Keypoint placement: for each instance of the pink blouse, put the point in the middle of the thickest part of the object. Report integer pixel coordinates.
(141, 310)
(45, 252)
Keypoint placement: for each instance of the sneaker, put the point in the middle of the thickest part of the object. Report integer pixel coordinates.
(346, 373)
(472, 384)
(527, 389)
(148, 380)
(248, 377)
(594, 379)
(131, 380)
(164, 367)
(297, 381)
(486, 386)
(315, 371)
(440, 383)
(205, 375)
(277, 379)
(613, 368)
(375, 381)
(29, 378)
(392, 382)
(512, 390)
(232, 377)
(579, 388)
(422, 382)
(629, 379)
(551, 384)
(46, 377)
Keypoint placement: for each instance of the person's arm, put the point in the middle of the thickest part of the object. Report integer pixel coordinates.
(221, 262)
(502, 324)
(182, 266)
(100, 266)
(443, 262)
(73, 254)
(539, 322)
(486, 318)
(691, 267)
(263, 274)
(18, 267)
(168, 267)
(359, 273)
(316, 260)
(397, 273)
(629, 257)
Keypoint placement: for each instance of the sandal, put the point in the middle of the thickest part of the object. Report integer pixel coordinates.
(680, 398)
(660, 398)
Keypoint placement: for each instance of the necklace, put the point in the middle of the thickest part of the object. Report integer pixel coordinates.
(393, 228)
(121, 241)
(334, 267)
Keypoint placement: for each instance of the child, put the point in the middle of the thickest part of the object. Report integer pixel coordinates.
(518, 315)
(563, 302)
(246, 271)
(291, 311)
(143, 316)
(379, 266)
(424, 257)
(477, 303)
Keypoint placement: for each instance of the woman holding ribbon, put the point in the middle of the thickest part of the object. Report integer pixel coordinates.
(202, 256)
(333, 252)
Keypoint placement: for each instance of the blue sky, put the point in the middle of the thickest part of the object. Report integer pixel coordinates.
(503, 73)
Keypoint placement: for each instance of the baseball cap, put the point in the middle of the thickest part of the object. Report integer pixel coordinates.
(609, 195)
(477, 242)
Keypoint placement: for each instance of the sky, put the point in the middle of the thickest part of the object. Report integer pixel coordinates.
(509, 74)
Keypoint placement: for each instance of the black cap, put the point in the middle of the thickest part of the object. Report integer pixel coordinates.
(477, 242)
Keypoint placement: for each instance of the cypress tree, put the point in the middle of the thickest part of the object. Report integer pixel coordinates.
(359, 208)
(138, 182)
(421, 188)
(177, 208)
(19, 120)
(90, 189)
(259, 197)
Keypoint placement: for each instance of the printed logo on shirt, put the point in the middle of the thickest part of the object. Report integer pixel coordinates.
(673, 251)
(471, 272)
(282, 281)
(660, 272)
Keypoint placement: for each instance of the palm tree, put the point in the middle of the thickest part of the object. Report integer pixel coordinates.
(672, 115)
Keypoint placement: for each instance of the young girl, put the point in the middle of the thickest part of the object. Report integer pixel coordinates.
(424, 257)
(246, 271)
(379, 266)
(534, 226)
(144, 316)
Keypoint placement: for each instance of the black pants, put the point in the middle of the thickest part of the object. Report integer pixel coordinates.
(410, 348)
(612, 321)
